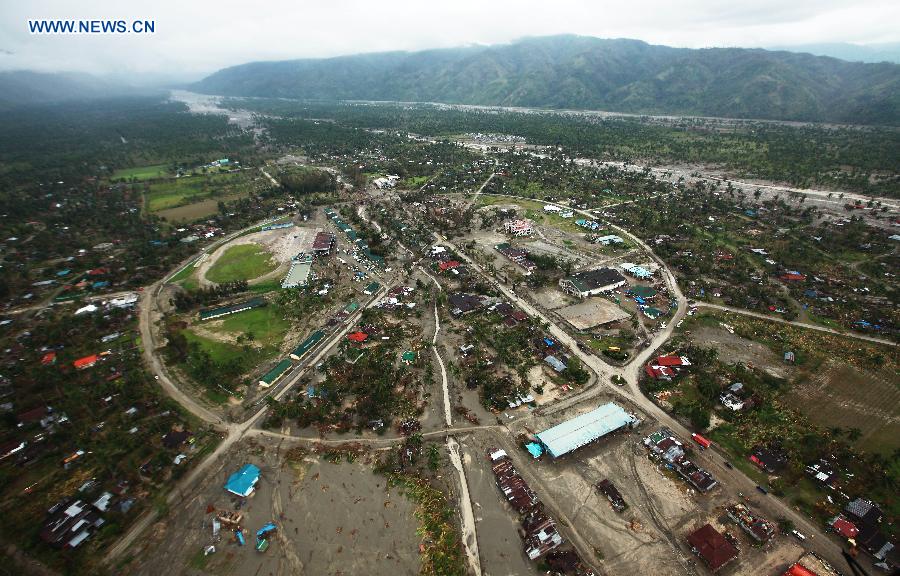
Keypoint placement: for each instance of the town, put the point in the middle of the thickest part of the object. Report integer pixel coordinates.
(342, 338)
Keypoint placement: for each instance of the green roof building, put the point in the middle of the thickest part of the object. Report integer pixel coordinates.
(276, 373)
(305, 346)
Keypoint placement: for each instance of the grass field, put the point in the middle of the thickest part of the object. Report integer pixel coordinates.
(267, 324)
(142, 172)
(241, 262)
(175, 192)
(218, 351)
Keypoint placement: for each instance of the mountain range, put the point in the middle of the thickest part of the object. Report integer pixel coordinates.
(19, 87)
(577, 72)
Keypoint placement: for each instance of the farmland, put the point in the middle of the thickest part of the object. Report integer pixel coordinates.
(175, 192)
(142, 172)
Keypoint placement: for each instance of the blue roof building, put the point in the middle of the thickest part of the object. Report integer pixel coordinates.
(577, 432)
(242, 482)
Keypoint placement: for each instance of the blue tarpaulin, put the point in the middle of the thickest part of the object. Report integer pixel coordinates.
(534, 449)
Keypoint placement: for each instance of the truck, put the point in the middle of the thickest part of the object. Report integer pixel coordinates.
(703, 442)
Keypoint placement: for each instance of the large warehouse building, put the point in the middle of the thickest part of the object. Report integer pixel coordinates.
(577, 432)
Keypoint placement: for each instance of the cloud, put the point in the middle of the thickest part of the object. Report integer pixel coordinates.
(197, 37)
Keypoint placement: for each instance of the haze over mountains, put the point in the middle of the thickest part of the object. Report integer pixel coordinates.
(590, 73)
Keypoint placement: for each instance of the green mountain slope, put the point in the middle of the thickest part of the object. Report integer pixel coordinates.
(591, 73)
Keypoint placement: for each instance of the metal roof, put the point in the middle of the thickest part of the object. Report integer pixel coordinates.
(575, 433)
(242, 482)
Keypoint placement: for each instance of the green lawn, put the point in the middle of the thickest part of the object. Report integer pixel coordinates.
(267, 324)
(142, 172)
(242, 262)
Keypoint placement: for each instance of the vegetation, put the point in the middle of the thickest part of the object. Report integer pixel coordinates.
(589, 73)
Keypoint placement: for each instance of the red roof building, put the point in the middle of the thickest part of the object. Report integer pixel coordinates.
(448, 265)
(85, 362)
(844, 527)
(358, 337)
(49, 358)
(710, 545)
(672, 361)
(658, 372)
(798, 570)
(793, 277)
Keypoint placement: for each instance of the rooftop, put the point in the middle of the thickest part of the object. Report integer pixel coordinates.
(575, 433)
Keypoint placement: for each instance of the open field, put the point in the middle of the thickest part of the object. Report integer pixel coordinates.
(142, 172)
(837, 395)
(332, 519)
(267, 324)
(218, 351)
(241, 262)
(176, 192)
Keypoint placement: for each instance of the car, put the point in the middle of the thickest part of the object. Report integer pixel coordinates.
(798, 535)
(761, 489)
(728, 465)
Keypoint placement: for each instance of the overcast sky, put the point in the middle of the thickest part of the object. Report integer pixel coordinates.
(196, 37)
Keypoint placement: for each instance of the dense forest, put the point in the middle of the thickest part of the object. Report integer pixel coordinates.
(576, 72)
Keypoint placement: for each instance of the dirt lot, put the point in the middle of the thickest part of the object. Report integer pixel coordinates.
(332, 519)
(733, 349)
(650, 535)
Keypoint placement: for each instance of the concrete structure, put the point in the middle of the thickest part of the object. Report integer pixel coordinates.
(577, 432)
(592, 282)
(298, 274)
(518, 227)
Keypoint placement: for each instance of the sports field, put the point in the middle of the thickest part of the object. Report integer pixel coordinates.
(142, 172)
(241, 262)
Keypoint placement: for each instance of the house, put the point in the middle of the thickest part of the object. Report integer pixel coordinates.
(518, 227)
(712, 547)
(758, 528)
(731, 402)
(372, 288)
(69, 523)
(823, 472)
(175, 438)
(555, 363)
(448, 265)
(867, 517)
(517, 255)
(639, 272)
(664, 445)
(608, 239)
(844, 527)
(357, 337)
(242, 482)
(592, 282)
(48, 358)
(673, 361)
(541, 535)
(769, 460)
(552, 209)
(643, 292)
(322, 243)
(461, 303)
(86, 362)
